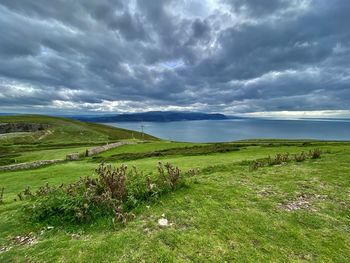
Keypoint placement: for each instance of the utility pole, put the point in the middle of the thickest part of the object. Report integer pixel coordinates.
(142, 134)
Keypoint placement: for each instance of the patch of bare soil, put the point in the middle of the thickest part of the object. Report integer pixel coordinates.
(303, 201)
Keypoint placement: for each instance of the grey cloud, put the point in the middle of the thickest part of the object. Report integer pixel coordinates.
(282, 55)
(201, 29)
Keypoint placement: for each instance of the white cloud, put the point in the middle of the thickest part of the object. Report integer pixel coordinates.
(300, 114)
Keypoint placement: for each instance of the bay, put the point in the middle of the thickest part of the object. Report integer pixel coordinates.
(240, 129)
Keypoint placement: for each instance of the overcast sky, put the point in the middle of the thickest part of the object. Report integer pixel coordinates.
(231, 56)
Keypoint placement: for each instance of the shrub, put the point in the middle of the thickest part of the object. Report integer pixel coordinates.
(300, 157)
(169, 176)
(315, 153)
(115, 192)
(278, 159)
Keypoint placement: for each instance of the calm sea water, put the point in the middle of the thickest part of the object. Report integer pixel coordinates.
(239, 129)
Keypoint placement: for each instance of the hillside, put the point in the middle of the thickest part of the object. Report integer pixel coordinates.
(153, 116)
(36, 137)
(65, 131)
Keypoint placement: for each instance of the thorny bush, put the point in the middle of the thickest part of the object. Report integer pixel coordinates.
(115, 192)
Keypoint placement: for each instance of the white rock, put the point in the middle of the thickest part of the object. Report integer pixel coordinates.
(163, 222)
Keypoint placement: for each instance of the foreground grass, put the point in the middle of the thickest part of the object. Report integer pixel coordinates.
(229, 214)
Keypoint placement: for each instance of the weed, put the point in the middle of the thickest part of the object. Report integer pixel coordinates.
(115, 192)
(169, 175)
(300, 157)
(315, 153)
(278, 159)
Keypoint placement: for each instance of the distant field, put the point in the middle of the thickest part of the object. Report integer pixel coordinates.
(230, 214)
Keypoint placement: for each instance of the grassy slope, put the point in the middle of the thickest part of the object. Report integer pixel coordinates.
(65, 136)
(67, 131)
(230, 214)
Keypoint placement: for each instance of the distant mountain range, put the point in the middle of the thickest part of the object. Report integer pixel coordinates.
(153, 116)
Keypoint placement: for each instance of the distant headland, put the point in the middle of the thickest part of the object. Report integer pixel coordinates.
(153, 116)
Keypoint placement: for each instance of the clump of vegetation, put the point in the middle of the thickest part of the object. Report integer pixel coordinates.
(280, 159)
(25, 194)
(115, 192)
(300, 157)
(315, 153)
(169, 175)
(255, 164)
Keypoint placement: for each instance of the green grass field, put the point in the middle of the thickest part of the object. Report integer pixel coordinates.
(64, 136)
(295, 212)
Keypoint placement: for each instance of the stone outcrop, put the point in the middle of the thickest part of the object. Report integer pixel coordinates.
(22, 127)
(106, 147)
(31, 165)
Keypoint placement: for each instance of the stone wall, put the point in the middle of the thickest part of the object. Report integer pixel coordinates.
(31, 165)
(69, 157)
(72, 157)
(106, 147)
(22, 127)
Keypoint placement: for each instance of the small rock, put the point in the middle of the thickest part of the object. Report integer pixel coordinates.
(163, 222)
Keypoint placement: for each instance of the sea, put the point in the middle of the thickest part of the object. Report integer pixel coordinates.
(241, 129)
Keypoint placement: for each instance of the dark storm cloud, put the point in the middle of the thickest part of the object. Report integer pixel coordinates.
(231, 56)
